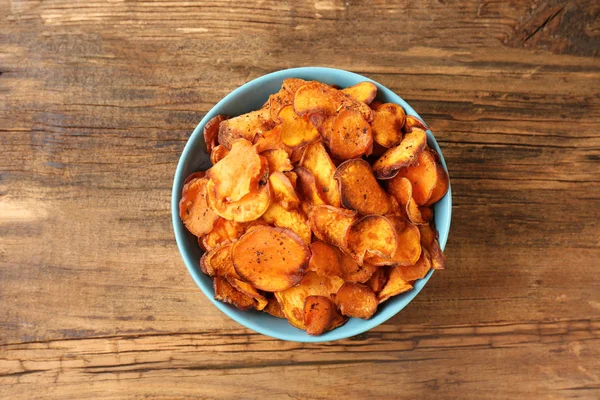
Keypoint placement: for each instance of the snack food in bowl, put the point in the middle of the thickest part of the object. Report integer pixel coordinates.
(311, 205)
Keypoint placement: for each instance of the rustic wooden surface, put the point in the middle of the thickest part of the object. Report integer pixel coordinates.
(98, 98)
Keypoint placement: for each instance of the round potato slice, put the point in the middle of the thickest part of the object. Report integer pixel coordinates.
(324, 259)
(356, 300)
(401, 189)
(394, 286)
(282, 191)
(297, 130)
(218, 262)
(408, 249)
(413, 122)
(387, 124)
(194, 211)
(306, 185)
(294, 220)
(369, 236)
(350, 135)
(271, 259)
(317, 161)
(429, 241)
(226, 293)
(330, 224)
(250, 291)
(441, 187)
(292, 299)
(224, 231)
(249, 208)
(278, 159)
(353, 272)
(422, 176)
(274, 308)
(318, 314)
(359, 188)
(364, 92)
(400, 156)
(417, 271)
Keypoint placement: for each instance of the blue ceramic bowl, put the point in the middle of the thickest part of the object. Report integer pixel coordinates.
(252, 96)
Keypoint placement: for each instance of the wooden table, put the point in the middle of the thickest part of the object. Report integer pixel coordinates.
(97, 100)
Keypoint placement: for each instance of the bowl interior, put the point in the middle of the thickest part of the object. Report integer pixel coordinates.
(252, 96)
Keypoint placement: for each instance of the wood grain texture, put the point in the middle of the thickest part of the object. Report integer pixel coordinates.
(97, 100)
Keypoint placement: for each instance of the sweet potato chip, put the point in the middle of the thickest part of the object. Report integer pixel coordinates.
(306, 185)
(350, 135)
(400, 156)
(422, 176)
(394, 286)
(363, 91)
(245, 126)
(218, 262)
(359, 189)
(356, 300)
(378, 280)
(369, 236)
(429, 241)
(228, 294)
(218, 153)
(417, 271)
(211, 132)
(292, 299)
(194, 175)
(318, 162)
(278, 159)
(442, 184)
(353, 272)
(296, 131)
(242, 162)
(224, 231)
(274, 308)
(268, 140)
(271, 259)
(318, 314)
(413, 122)
(250, 291)
(294, 220)
(387, 124)
(282, 191)
(319, 98)
(408, 249)
(285, 96)
(330, 224)
(194, 211)
(249, 208)
(291, 175)
(401, 189)
(426, 213)
(325, 259)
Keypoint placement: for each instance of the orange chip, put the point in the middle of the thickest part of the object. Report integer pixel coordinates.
(218, 153)
(378, 280)
(218, 262)
(268, 140)
(413, 122)
(394, 286)
(224, 231)
(245, 126)
(325, 259)
(278, 159)
(359, 189)
(356, 300)
(350, 135)
(372, 235)
(249, 208)
(296, 130)
(429, 241)
(330, 224)
(306, 185)
(282, 191)
(194, 175)
(228, 294)
(400, 156)
(387, 124)
(293, 178)
(401, 189)
(285, 96)
(274, 308)
(364, 92)
(417, 271)
(318, 314)
(441, 187)
(194, 210)
(408, 248)
(211, 132)
(422, 176)
(318, 162)
(250, 291)
(292, 219)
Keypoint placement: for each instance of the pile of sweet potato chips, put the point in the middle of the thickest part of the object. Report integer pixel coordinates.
(318, 205)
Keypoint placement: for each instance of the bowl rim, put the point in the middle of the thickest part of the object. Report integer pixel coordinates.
(179, 231)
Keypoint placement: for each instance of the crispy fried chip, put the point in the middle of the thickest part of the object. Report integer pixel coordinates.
(245, 126)
(417, 271)
(274, 308)
(296, 131)
(413, 122)
(429, 241)
(218, 153)
(319, 98)
(387, 124)
(291, 175)
(378, 280)
(292, 219)
(218, 262)
(359, 188)
(194, 210)
(268, 140)
(369, 236)
(224, 231)
(194, 175)
(271, 259)
(228, 294)
(318, 162)
(400, 156)
(441, 187)
(249, 208)
(250, 291)
(282, 191)
(278, 159)
(330, 224)
(408, 249)
(422, 176)
(350, 135)
(401, 189)
(353, 272)
(325, 259)
(356, 300)
(285, 96)
(306, 185)
(292, 299)
(211, 132)
(363, 91)
(394, 286)
(318, 314)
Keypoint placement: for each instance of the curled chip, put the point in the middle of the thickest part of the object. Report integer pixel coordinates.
(414, 122)
(401, 188)
(274, 308)
(364, 92)
(249, 208)
(410, 273)
(194, 175)
(356, 300)
(211, 132)
(284, 97)
(394, 286)
(282, 191)
(422, 176)
(350, 135)
(328, 260)
(408, 248)
(228, 294)
(429, 241)
(387, 124)
(278, 160)
(224, 231)
(250, 291)
(359, 188)
(318, 162)
(318, 314)
(330, 224)
(293, 178)
(372, 235)
(306, 186)
(378, 280)
(292, 219)
(218, 153)
(245, 126)
(218, 262)
(271, 259)
(296, 131)
(442, 184)
(400, 156)
(194, 210)
(268, 140)
(292, 299)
